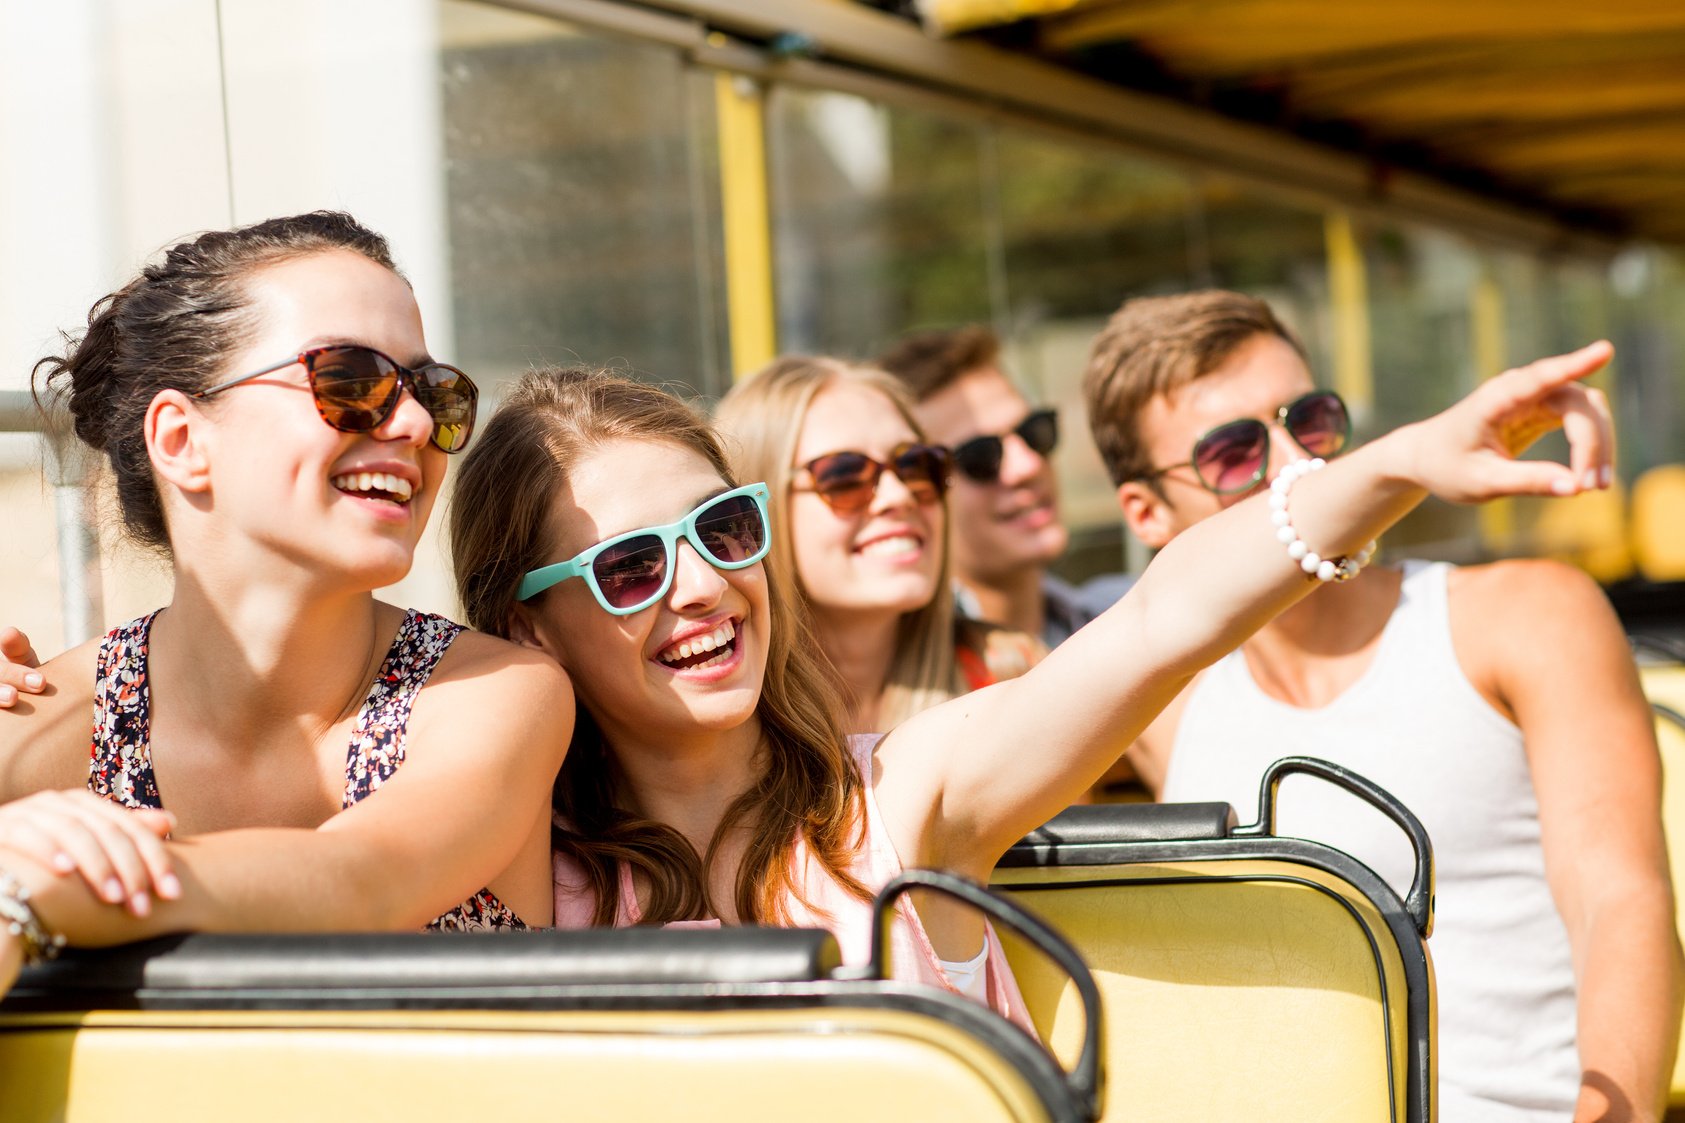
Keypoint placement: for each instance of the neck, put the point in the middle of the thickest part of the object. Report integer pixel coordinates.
(688, 782)
(1334, 621)
(1012, 599)
(861, 646)
(249, 659)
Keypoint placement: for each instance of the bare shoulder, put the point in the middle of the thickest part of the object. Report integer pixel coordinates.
(490, 685)
(1534, 634)
(45, 738)
(1527, 594)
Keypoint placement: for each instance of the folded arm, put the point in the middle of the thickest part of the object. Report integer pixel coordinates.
(473, 795)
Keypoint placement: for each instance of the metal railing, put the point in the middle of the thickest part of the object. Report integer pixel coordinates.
(68, 465)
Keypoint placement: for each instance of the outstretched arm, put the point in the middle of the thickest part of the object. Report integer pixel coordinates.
(965, 780)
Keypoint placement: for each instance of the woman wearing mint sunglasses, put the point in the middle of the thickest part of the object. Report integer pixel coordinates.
(709, 778)
(274, 693)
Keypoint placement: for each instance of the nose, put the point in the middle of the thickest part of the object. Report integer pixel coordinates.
(892, 494)
(1019, 463)
(1283, 450)
(696, 584)
(410, 422)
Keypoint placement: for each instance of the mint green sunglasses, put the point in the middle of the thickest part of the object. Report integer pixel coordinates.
(632, 571)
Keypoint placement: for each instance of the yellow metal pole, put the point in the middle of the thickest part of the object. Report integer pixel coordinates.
(1348, 289)
(1486, 333)
(740, 106)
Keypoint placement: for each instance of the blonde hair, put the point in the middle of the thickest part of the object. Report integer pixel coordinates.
(762, 417)
(810, 787)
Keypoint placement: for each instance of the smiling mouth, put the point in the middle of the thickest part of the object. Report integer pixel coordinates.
(895, 546)
(708, 650)
(374, 485)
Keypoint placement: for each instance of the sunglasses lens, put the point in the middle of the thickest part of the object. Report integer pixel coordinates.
(732, 530)
(923, 469)
(1040, 431)
(979, 458)
(450, 397)
(1318, 422)
(355, 388)
(631, 572)
(1230, 458)
(845, 480)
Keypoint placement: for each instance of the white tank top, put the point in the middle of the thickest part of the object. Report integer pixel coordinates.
(1416, 726)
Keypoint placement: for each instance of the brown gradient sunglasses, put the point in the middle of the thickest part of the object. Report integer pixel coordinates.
(356, 390)
(848, 480)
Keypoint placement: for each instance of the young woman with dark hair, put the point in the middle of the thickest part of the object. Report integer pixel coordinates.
(317, 759)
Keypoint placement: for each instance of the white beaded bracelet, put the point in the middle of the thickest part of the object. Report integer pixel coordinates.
(1322, 569)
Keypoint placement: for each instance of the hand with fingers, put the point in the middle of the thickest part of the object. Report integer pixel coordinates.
(1468, 453)
(118, 851)
(18, 663)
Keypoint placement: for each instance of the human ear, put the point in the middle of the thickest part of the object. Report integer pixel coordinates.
(1146, 513)
(522, 628)
(176, 442)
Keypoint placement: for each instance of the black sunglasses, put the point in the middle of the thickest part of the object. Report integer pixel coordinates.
(1235, 456)
(846, 481)
(356, 390)
(980, 457)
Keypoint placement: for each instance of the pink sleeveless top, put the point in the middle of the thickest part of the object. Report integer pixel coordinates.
(833, 907)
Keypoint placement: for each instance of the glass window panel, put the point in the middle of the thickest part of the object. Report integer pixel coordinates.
(1420, 288)
(1253, 242)
(1083, 228)
(583, 200)
(879, 221)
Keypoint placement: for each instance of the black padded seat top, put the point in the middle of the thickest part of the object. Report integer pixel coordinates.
(1105, 824)
(485, 969)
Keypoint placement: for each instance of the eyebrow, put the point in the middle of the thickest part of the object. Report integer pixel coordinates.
(347, 341)
(714, 494)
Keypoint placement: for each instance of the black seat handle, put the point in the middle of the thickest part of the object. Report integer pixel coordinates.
(1418, 902)
(1084, 1079)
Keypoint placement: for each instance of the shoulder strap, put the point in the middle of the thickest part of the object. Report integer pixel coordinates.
(377, 742)
(120, 756)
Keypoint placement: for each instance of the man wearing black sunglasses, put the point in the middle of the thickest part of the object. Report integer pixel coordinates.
(1004, 497)
(1498, 702)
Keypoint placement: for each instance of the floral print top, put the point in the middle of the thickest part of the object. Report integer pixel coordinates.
(120, 768)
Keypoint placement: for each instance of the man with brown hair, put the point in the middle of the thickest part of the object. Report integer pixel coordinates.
(1004, 498)
(1498, 702)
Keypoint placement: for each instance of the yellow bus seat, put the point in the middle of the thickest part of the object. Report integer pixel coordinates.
(629, 1026)
(1658, 533)
(1664, 685)
(1242, 975)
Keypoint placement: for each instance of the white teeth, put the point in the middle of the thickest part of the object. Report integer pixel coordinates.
(396, 486)
(899, 545)
(717, 638)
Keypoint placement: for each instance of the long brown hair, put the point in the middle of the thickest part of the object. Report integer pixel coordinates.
(809, 788)
(762, 417)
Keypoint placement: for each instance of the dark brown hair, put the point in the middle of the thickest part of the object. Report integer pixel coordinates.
(1154, 346)
(928, 361)
(809, 787)
(172, 328)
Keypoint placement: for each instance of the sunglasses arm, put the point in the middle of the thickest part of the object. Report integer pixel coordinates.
(221, 386)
